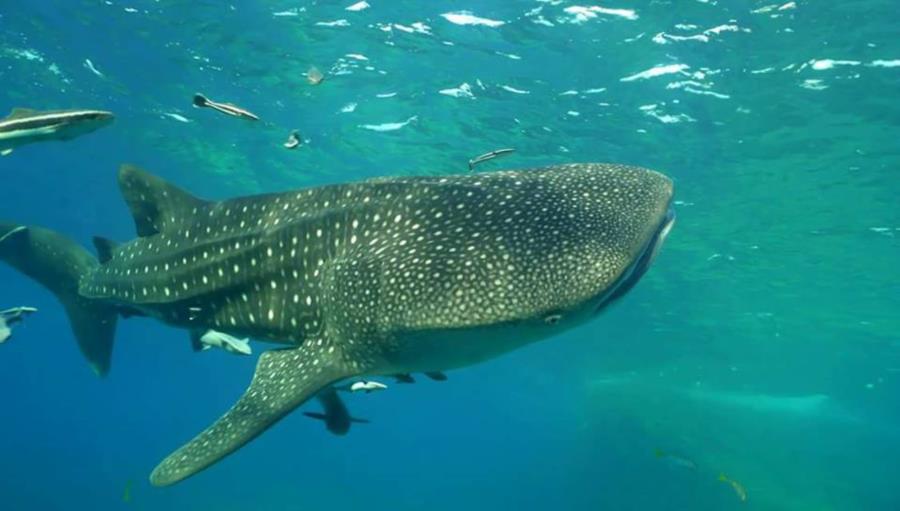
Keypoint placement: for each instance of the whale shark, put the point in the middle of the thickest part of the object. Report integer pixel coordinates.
(25, 126)
(380, 277)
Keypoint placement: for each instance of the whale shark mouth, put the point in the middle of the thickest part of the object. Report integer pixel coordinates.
(633, 274)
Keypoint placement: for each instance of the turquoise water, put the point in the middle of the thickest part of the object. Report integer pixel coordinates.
(762, 345)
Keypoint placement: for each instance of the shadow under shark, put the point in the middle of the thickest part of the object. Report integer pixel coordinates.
(380, 277)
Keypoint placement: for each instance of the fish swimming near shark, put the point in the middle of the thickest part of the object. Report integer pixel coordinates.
(335, 415)
(202, 341)
(373, 278)
(10, 317)
(201, 101)
(24, 126)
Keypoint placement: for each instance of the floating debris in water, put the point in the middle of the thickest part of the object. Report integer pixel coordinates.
(201, 101)
(738, 488)
(488, 156)
(293, 140)
(90, 66)
(314, 76)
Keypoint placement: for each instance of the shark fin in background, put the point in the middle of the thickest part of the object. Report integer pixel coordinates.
(156, 205)
(284, 380)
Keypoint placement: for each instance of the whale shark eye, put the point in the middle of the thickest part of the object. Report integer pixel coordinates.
(552, 319)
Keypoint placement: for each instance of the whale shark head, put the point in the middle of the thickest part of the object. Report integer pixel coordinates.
(508, 258)
(593, 240)
(573, 239)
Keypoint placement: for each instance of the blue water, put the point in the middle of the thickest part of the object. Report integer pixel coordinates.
(764, 344)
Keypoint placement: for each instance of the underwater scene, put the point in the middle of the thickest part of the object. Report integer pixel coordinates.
(398, 255)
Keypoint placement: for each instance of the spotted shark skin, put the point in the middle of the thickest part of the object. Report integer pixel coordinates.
(380, 277)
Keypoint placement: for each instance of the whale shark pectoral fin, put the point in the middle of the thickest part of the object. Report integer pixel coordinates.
(157, 206)
(6, 152)
(284, 379)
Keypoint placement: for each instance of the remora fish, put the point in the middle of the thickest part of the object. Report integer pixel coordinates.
(202, 101)
(380, 277)
(202, 341)
(24, 126)
(335, 414)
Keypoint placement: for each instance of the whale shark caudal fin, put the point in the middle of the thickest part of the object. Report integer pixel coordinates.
(58, 264)
(284, 380)
(156, 205)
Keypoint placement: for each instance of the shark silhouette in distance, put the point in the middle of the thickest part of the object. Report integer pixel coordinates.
(374, 278)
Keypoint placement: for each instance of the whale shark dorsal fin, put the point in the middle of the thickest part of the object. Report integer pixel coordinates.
(156, 205)
(284, 380)
(18, 113)
(105, 248)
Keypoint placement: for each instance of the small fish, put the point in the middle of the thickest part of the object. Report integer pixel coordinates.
(10, 317)
(675, 460)
(335, 415)
(736, 486)
(231, 344)
(202, 101)
(488, 156)
(293, 140)
(314, 76)
(24, 126)
(365, 386)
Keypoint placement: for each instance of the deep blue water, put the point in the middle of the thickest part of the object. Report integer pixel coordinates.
(764, 344)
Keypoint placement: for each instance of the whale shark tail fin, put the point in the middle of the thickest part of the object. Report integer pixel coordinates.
(58, 264)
